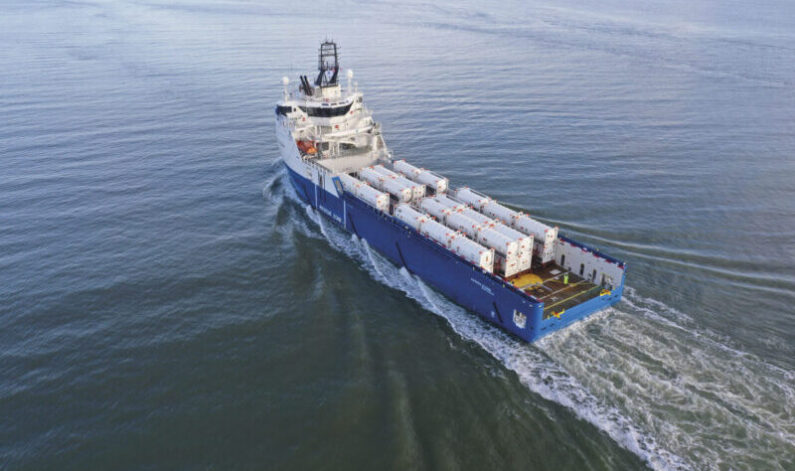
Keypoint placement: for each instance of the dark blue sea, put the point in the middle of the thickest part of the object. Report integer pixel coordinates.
(166, 302)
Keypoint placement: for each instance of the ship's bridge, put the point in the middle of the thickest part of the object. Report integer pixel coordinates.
(326, 119)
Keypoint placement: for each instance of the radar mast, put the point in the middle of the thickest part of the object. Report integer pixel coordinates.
(327, 65)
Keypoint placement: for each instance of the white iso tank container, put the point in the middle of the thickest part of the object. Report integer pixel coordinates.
(372, 197)
(438, 232)
(474, 253)
(471, 197)
(349, 183)
(502, 244)
(383, 171)
(481, 218)
(365, 192)
(428, 178)
(499, 212)
(420, 175)
(525, 261)
(391, 186)
(370, 176)
(524, 241)
(462, 223)
(417, 189)
(510, 266)
(406, 168)
(545, 236)
(434, 208)
(410, 216)
(506, 266)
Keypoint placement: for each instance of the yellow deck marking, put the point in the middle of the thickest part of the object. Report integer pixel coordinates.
(566, 287)
(523, 281)
(570, 297)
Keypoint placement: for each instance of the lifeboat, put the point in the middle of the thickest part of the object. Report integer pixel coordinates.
(307, 147)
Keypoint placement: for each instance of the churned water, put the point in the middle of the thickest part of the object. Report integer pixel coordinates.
(168, 303)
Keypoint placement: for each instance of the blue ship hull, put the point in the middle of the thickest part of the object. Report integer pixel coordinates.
(491, 297)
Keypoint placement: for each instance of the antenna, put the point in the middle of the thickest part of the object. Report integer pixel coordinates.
(285, 82)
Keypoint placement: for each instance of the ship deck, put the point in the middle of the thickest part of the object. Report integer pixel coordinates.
(549, 285)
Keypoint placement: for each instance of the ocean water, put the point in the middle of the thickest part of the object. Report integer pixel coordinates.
(166, 302)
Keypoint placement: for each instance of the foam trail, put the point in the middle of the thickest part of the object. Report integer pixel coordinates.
(704, 399)
(551, 381)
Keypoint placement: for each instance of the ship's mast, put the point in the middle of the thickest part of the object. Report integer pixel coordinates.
(327, 65)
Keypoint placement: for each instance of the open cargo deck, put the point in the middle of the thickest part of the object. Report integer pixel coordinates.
(558, 288)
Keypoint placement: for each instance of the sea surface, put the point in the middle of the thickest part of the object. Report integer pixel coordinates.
(166, 302)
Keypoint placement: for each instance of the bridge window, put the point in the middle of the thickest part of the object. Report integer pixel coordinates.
(326, 111)
(582, 269)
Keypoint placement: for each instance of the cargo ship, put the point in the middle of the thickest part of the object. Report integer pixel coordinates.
(503, 265)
